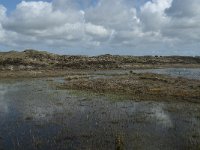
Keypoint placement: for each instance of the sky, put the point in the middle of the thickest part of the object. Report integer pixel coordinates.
(94, 27)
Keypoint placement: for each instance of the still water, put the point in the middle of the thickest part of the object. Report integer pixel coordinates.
(175, 72)
(190, 73)
(34, 114)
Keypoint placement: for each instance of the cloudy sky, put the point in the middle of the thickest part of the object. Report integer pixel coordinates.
(93, 27)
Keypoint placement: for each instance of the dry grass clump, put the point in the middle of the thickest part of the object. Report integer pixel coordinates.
(142, 86)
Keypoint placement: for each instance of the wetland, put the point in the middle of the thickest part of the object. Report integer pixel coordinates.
(106, 102)
(36, 113)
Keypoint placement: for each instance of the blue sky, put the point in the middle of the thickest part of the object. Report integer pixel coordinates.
(93, 27)
(10, 4)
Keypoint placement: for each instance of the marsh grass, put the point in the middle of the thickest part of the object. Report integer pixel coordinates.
(139, 86)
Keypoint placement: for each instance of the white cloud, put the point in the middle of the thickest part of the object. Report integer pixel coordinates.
(153, 14)
(184, 24)
(96, 30)
(40, 21)
(184, 8)
(2, 13)
(30, 16)
(157, 25)
(2, 17)
(113, 14)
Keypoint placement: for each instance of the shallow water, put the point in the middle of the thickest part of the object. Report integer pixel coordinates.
(190, 73)
(176, 72)
(35, 115)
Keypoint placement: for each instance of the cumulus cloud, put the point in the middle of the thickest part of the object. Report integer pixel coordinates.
(2, 17)
(45, 22)
(96, 30)
(2, 13)
(184, 24)
(33, 16)
(153, 14)
(184, 8)
(164, 26)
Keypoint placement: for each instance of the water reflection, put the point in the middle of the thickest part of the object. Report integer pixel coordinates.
(77, 121)
(161, 116)
(3, 103)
